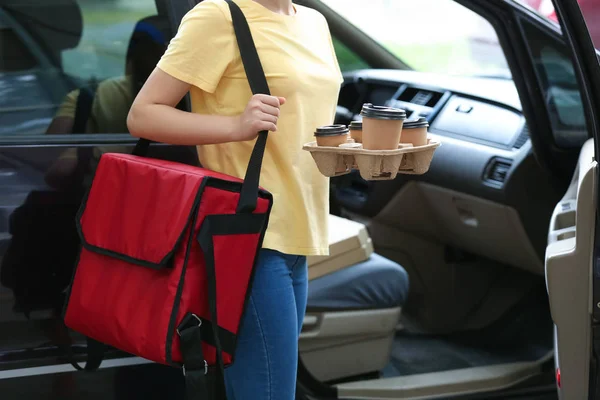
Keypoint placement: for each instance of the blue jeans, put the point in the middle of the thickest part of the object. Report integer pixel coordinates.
(266, 358)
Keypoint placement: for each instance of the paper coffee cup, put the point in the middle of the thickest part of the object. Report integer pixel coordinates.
(415, 132)
(382, 127)
(331, 135)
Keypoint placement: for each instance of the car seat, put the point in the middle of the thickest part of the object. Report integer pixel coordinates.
(351, 319)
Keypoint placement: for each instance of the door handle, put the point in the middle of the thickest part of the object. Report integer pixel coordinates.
(466, 216)
(310, 326)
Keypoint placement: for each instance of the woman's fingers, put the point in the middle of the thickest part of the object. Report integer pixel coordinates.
(267, 109)
(268, 118)
(270, 100)
(266, 126)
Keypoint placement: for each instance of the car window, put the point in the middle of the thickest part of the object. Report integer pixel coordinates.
(561, 90)
(447, 39)
(348, 59)
(52, 50)
(557, 75)
(14, 55)
(589, 8)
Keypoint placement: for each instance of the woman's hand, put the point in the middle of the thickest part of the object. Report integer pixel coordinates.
(261, 114)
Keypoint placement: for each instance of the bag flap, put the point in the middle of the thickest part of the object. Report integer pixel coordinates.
(138, 209)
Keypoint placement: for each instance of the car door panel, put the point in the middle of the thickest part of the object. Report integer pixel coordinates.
(32, 345)
(568, 270)
(571, 263)
(37, 165)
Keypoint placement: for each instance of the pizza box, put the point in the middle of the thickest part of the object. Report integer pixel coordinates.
(349, 244)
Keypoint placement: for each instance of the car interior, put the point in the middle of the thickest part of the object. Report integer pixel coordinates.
(472, 233)
(449, 293)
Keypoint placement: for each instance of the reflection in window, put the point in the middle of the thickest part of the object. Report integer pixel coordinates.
(561, 90)
(51, 51)
(439, 36)
(589, 8)
(14, 55)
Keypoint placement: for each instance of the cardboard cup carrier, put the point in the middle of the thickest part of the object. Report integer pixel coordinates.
(406, 158)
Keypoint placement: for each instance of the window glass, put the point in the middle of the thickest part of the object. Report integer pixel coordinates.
(16, 56)
(561, 90)
(347, 59)
(52, 50)
(446, 39)
(589, 8)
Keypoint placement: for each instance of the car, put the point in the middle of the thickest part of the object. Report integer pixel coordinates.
(481, 285)
(590, 9)
(32, 84)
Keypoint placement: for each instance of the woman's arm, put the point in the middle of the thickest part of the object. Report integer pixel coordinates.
(153, 116)
(62, 123)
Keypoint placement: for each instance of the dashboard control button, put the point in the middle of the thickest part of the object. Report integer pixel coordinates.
(464, 108)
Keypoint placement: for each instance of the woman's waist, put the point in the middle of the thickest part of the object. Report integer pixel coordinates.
(278, 167)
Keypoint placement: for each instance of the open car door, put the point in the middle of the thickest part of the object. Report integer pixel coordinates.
(572, 268)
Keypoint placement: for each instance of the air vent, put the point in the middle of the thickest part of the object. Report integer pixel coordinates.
(497, 171)
(420, 97)
(523, 137)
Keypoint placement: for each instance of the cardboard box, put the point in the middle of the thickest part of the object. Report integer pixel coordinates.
(349, 244)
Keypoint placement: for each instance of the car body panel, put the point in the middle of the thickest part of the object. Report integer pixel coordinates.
(30, 355)
(571, 254)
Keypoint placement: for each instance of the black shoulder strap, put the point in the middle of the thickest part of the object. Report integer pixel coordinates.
(252, 66)
(95, 355)
(83, 112)
(190, 328)
(258, 84)
(83, 108)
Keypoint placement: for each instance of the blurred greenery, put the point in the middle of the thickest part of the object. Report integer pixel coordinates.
(448, 58)
(451, 58)
(435, 57)
(347, 59)
(103, 39)
(109, 16)
(106, 33)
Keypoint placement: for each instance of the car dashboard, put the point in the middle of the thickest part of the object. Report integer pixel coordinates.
(484, 165)
(478, 120)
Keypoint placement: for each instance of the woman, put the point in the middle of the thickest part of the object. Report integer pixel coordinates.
(112, 99)
(297, 55)
(114, 96)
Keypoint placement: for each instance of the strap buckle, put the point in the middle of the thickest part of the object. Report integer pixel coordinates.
(186, 321)
(205, 368)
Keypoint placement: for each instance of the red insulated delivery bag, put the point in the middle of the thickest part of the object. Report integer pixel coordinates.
(168, 253)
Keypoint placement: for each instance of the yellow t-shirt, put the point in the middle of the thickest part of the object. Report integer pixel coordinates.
(112, 101)
(300, 64)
